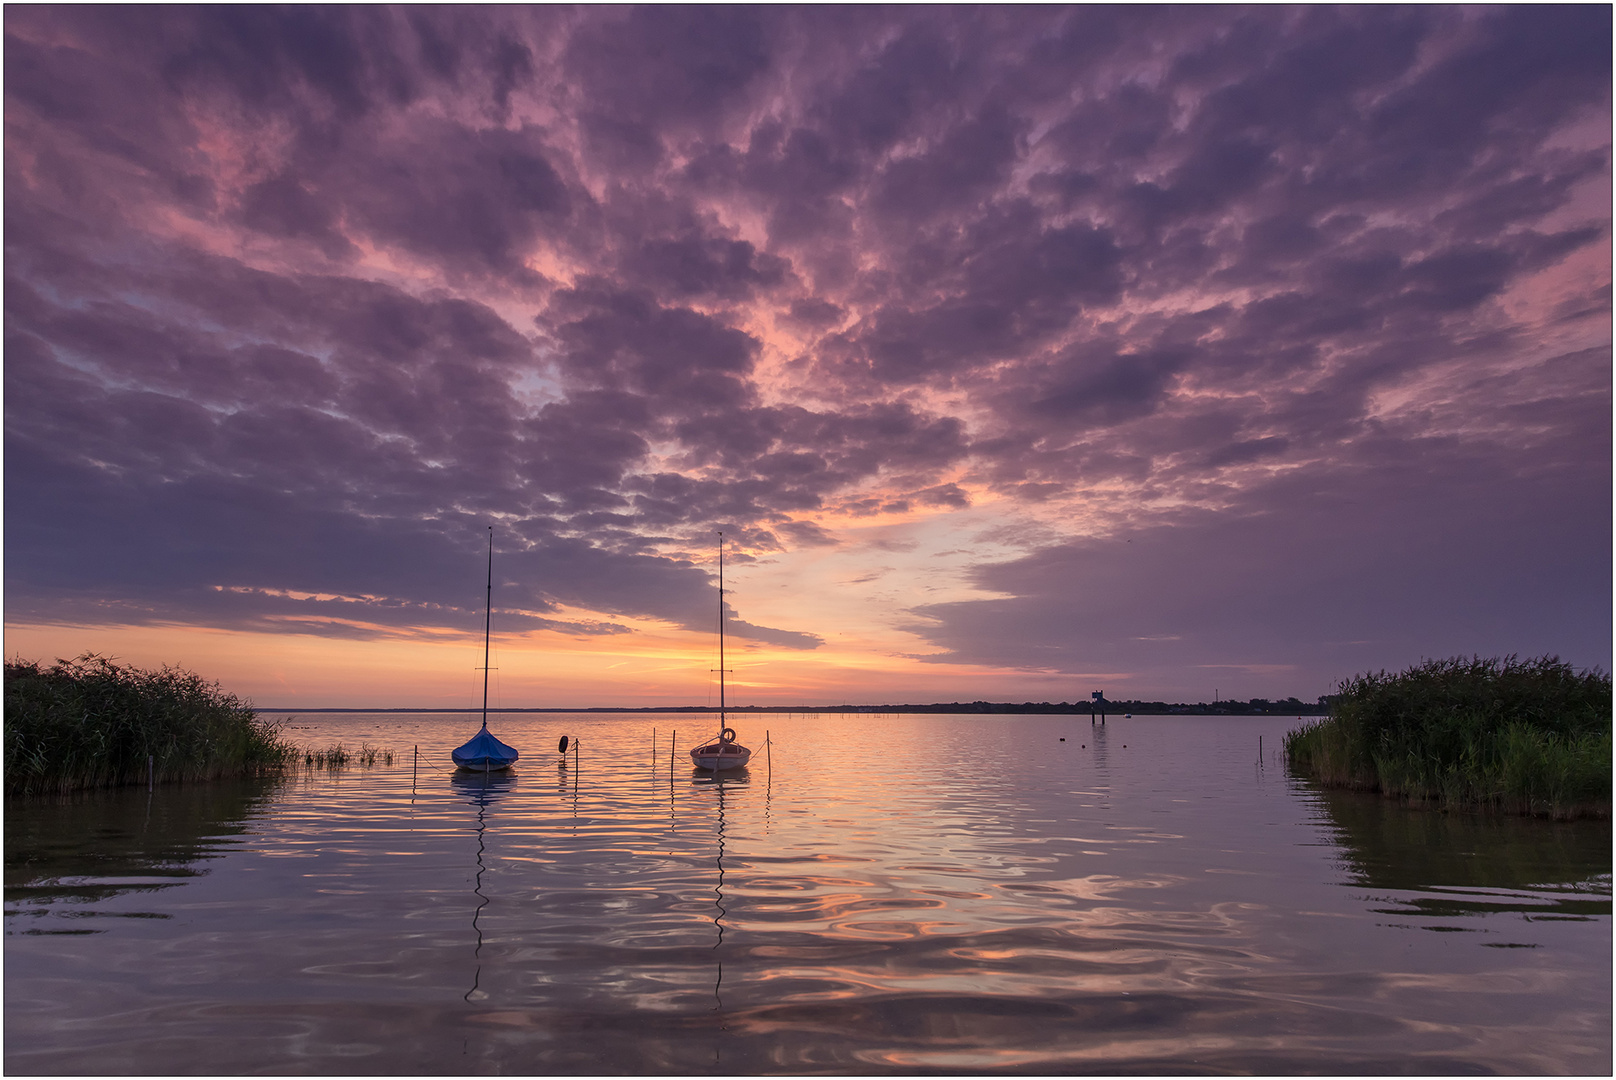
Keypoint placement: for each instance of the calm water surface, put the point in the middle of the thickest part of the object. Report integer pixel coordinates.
(946, 894)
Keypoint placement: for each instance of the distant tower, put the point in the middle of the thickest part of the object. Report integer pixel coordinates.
(1098, 698)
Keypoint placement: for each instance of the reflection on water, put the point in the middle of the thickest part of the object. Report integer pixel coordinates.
(1154, 896)
(718, 783)
(1454, 866)
(481, 790)
(65, 854)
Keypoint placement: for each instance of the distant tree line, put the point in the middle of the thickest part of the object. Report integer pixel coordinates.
(1255, 707)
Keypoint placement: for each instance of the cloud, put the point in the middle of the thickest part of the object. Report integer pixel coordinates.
(1328, 572)
(298, 301)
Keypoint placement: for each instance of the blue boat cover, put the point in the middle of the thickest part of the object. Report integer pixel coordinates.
(483, 751)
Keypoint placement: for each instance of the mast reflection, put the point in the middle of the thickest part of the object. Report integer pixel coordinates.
(721, 781)
(481, 790)
(718, 900)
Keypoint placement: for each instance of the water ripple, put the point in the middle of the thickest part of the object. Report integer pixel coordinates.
(979, 903)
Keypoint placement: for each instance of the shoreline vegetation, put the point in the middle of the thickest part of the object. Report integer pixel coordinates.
(1517, 736)
(90, 723)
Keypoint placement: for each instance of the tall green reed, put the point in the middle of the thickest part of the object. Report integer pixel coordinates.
(1525, 736)
(89, 722)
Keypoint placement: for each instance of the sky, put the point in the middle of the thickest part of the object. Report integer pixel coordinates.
(1016, 352)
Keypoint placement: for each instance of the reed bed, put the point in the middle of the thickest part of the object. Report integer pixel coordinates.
(1520, 736)
(338, 756)
(89, 722)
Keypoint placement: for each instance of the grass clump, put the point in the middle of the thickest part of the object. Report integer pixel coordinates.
(1523, 736)
(89, 723)
(338, 756)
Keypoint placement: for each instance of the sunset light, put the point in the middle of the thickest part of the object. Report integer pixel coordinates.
(1016, 350)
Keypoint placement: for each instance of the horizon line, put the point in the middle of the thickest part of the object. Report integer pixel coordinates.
(1031, 707)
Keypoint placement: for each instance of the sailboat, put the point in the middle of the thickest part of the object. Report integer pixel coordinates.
(723, 752)
(483, 752)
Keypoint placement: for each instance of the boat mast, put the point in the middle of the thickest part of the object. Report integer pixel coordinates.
(721, 722)
(488, 621)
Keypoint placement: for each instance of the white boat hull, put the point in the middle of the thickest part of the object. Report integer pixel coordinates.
(727, 756)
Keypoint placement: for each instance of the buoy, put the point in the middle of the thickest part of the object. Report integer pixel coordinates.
(563, 747)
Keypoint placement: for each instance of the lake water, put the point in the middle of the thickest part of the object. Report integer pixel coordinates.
(900, 894)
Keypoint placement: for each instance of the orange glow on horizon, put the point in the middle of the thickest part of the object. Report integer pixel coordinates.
(542, 669)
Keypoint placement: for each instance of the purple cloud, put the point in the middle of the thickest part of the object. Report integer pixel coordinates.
(1311, 305)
